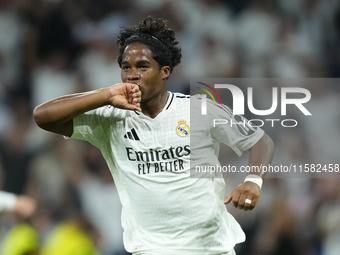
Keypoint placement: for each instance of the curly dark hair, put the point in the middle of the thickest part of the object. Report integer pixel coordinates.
(159, 38)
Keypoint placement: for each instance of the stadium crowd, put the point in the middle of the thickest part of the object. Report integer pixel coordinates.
(49, 48)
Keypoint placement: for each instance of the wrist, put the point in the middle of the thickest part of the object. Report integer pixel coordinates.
(255, 179)
(107, 94)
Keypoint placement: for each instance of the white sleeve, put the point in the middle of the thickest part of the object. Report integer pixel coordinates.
(232, 130)
(92, 126)
(7, 201)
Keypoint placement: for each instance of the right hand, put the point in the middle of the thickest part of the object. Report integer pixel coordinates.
(25, 206)
(125, 96)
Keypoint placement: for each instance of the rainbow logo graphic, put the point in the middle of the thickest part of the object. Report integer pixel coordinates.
(209, 93)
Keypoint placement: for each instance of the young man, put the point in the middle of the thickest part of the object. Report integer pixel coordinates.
(137, 126)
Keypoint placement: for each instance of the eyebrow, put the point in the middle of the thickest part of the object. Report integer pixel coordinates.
(140, 62)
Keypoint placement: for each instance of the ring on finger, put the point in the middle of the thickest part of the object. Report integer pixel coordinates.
(247, 201)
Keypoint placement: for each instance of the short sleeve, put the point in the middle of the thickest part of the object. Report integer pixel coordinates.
(93, 126)
(232, 130)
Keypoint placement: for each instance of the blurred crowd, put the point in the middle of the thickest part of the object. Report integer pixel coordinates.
(50, 48)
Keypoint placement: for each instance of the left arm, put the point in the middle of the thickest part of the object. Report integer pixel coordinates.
(22, 205)
(261, 154)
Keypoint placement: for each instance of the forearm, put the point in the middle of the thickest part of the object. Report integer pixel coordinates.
(246, 195)
(261, 154)
(52, 114)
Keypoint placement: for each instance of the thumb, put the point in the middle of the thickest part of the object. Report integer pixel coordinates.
(228, 199)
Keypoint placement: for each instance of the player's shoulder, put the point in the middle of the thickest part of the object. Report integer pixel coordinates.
(179, 100)
(181, 96)
(189, 101)
(184, 98)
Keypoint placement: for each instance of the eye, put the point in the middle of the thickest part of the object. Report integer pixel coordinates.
(143, 67)
(125, 67)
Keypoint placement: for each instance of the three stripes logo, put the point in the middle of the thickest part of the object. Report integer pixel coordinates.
(132, 135)
(204, 97)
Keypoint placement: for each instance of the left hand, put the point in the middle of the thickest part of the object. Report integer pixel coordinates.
(246, 190)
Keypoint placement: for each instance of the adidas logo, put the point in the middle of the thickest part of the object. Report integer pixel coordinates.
(132, 135)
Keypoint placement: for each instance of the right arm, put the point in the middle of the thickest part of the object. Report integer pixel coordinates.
(57, 115)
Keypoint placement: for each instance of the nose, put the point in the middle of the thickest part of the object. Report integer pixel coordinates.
(133, 75)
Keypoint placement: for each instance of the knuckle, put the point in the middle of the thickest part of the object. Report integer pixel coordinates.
(235, 199)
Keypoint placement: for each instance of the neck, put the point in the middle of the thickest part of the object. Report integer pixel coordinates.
(155, 105)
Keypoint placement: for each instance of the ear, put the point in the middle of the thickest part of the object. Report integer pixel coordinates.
(165, 72)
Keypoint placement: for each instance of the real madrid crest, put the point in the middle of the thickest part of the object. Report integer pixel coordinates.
(183, 128)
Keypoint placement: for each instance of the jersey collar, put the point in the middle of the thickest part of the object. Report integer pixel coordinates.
(168, 102)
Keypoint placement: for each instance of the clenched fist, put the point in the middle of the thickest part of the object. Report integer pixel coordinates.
(125, 96)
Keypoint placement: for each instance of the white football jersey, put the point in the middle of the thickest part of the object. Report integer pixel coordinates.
(165, 211)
